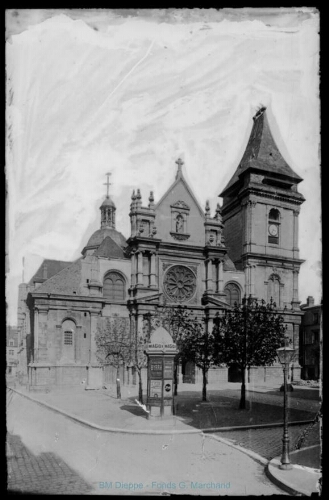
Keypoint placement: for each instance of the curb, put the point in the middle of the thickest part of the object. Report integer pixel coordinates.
(155, 431)
(106, 429)
(255, 426)
(258, 458)
(282, 484)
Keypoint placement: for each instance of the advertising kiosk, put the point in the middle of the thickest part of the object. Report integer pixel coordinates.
(160, 374)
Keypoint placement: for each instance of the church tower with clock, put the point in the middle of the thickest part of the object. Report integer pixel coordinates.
(261, 205)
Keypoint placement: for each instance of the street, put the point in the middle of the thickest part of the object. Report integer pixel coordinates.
(60, 456)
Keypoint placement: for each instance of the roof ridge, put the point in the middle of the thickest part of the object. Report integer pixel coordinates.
(55, 276)
(103, 245)
(39, 272)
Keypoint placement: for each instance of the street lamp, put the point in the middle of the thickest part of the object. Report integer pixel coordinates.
(286, 356)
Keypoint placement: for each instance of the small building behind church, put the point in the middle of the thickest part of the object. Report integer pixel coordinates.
(11, 350)
(178, 252)
(310, 340)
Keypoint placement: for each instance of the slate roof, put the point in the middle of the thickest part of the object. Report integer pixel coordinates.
(65, 282)
(262, 153)
(53, 267)
(108, 202)
(99, 236)
(109, 249)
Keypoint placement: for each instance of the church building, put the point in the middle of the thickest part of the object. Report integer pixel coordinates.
(177, 253)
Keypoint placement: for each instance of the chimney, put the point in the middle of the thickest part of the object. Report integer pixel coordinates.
(310, 301)
(45, 270)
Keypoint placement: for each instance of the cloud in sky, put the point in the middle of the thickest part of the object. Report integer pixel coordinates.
(92, 91)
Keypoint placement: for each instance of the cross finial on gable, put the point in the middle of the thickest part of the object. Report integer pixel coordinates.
(107, 184)
(179, 164)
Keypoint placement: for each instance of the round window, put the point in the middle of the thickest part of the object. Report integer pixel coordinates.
(179, 283)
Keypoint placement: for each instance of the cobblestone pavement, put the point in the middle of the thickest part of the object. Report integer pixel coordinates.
(268, 442)
(46, 473)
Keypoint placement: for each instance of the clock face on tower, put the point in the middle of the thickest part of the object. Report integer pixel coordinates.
(273, 229)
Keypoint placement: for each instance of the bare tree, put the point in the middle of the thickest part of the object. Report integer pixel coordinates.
(114, 345)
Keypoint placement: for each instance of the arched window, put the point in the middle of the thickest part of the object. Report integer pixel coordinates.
(273, 226)
(68, 331)
(114, 286)
(274, 214)
(273, 289)
(233, 294)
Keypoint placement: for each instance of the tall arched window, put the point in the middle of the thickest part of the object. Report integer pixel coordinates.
(68, 332)
(114, 286)
(273, 289)
(273, 226)
(233, 294)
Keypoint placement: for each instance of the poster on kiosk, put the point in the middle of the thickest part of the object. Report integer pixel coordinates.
(160, 375)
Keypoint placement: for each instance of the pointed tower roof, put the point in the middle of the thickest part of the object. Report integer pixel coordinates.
(262, 154)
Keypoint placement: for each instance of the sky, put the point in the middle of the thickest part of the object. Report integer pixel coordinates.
(91, 91)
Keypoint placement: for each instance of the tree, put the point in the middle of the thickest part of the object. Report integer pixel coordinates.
(140, 360)
(113, 343)
(248, 335)
(194, 341)
(174, 319)
(139, 346)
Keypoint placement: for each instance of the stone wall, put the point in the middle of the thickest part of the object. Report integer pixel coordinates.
(47, 376)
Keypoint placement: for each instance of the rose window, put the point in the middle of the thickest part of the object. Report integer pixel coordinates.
(179, 283)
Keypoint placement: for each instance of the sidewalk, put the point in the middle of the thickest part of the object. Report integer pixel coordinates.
(101, 410)
(302, 479)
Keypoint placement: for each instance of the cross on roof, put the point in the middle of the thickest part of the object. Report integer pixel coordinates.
(107, 184)
(179, 163)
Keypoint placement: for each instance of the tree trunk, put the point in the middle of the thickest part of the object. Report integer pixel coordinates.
(140, 386)
(242, 404)
(118, 383)
(134, 370)
(204, 384)
(248, 374)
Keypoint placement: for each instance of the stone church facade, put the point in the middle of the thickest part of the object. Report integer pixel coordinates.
(177, 253)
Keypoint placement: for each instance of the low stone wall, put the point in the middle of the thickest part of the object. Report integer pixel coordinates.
(48, 376)
(272, 374)
(42, 377)
(257, 374)
(217, 375)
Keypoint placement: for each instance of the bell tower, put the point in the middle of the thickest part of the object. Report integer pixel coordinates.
(261, 205)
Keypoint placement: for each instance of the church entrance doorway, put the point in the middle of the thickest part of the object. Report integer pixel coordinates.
(188, 371)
